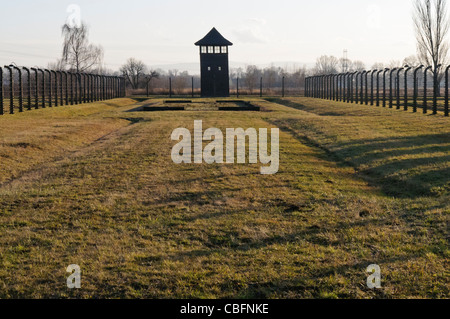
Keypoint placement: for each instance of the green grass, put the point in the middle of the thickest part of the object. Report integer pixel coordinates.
(94, 185)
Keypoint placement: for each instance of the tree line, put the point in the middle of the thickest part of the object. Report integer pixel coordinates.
(431, 26)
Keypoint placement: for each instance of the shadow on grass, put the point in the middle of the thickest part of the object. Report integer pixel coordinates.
(404, 167)
(312, 281)
(325, 112)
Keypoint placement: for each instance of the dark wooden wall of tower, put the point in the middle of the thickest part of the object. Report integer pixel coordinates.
(215, 76)
(214, 67)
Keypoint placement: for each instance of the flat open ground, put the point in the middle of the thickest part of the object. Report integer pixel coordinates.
(95, 185)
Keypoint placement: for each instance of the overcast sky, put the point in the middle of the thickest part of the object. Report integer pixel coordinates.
(164, 31)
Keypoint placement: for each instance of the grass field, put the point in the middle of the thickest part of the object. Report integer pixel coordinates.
(95, 185)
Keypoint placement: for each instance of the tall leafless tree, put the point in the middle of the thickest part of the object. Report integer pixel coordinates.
(326, 65)
(358, 66)
(345, 65)
(252, 74)
(134, 71)
(149, 77)
(78, 54)
(412, 61)
(378, 66)
(431, 28)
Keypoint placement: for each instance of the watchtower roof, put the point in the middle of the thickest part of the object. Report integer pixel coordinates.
(214, 38)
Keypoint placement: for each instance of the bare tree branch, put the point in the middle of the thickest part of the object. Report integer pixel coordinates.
(431, 27)
(78, 54)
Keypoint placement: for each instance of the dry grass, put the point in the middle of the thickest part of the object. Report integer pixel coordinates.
(107, 196)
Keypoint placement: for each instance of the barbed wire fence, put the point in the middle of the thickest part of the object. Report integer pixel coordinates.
(403, 88)
(24, 88)
(190, 87)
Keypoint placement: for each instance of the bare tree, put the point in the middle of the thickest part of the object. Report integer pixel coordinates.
(58, 65)
(378, 66)
(270, 76)
(394, 64)
(431, 28)
(180, 80)
(298, 77)
(133, 70)
(149, 77)
(78, 54)
(252, 74)
(326, 65)
(345, 65)
(412, 61)
(359, 66)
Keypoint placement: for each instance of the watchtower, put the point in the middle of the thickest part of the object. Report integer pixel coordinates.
(214, 65)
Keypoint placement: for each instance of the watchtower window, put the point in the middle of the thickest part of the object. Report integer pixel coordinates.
(224, 49)
(209, 68)
(210, 49)
(217, 50)
(220, 68)
(203, 49)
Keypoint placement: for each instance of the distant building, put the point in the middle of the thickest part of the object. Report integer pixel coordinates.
(214, 65)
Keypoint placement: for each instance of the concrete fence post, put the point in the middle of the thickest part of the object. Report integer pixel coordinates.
(28, 87)
(391, 95)
(398, 87)
(372, 87)
(20, 87)
(11, 89)
(56, 87)
(50, 104)
(446, 108)
(425, 88)
(416, 88)
(407, 69)
(1, 92)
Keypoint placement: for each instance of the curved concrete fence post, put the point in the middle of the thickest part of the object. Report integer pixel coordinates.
(366, 99)
(66, 88)
(36, 88)
(1, 92)
(76, 89)
(363, 76)
(405, 98)
(425, 88)
(357, 87)
(391, 95)
(372, 87)
(446, 110)
(83, 90)
(347, 87)
(384, 86)
(61, 88)
(436, 87)
(19, 71)
(50, 104)
(28, 87)
(80, 88)
(378, 87)
(11, 89)
(398, 87)
(416, 88)
(56, 86)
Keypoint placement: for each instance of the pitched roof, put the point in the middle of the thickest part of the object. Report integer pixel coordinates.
(214, 38)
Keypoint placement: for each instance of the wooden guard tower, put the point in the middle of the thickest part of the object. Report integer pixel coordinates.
(214, 65)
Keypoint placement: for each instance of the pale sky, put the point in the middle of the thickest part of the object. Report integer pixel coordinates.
(164, 32)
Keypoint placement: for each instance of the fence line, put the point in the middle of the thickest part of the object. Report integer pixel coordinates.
(353, 87)
(48, 88)
(190, 87)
